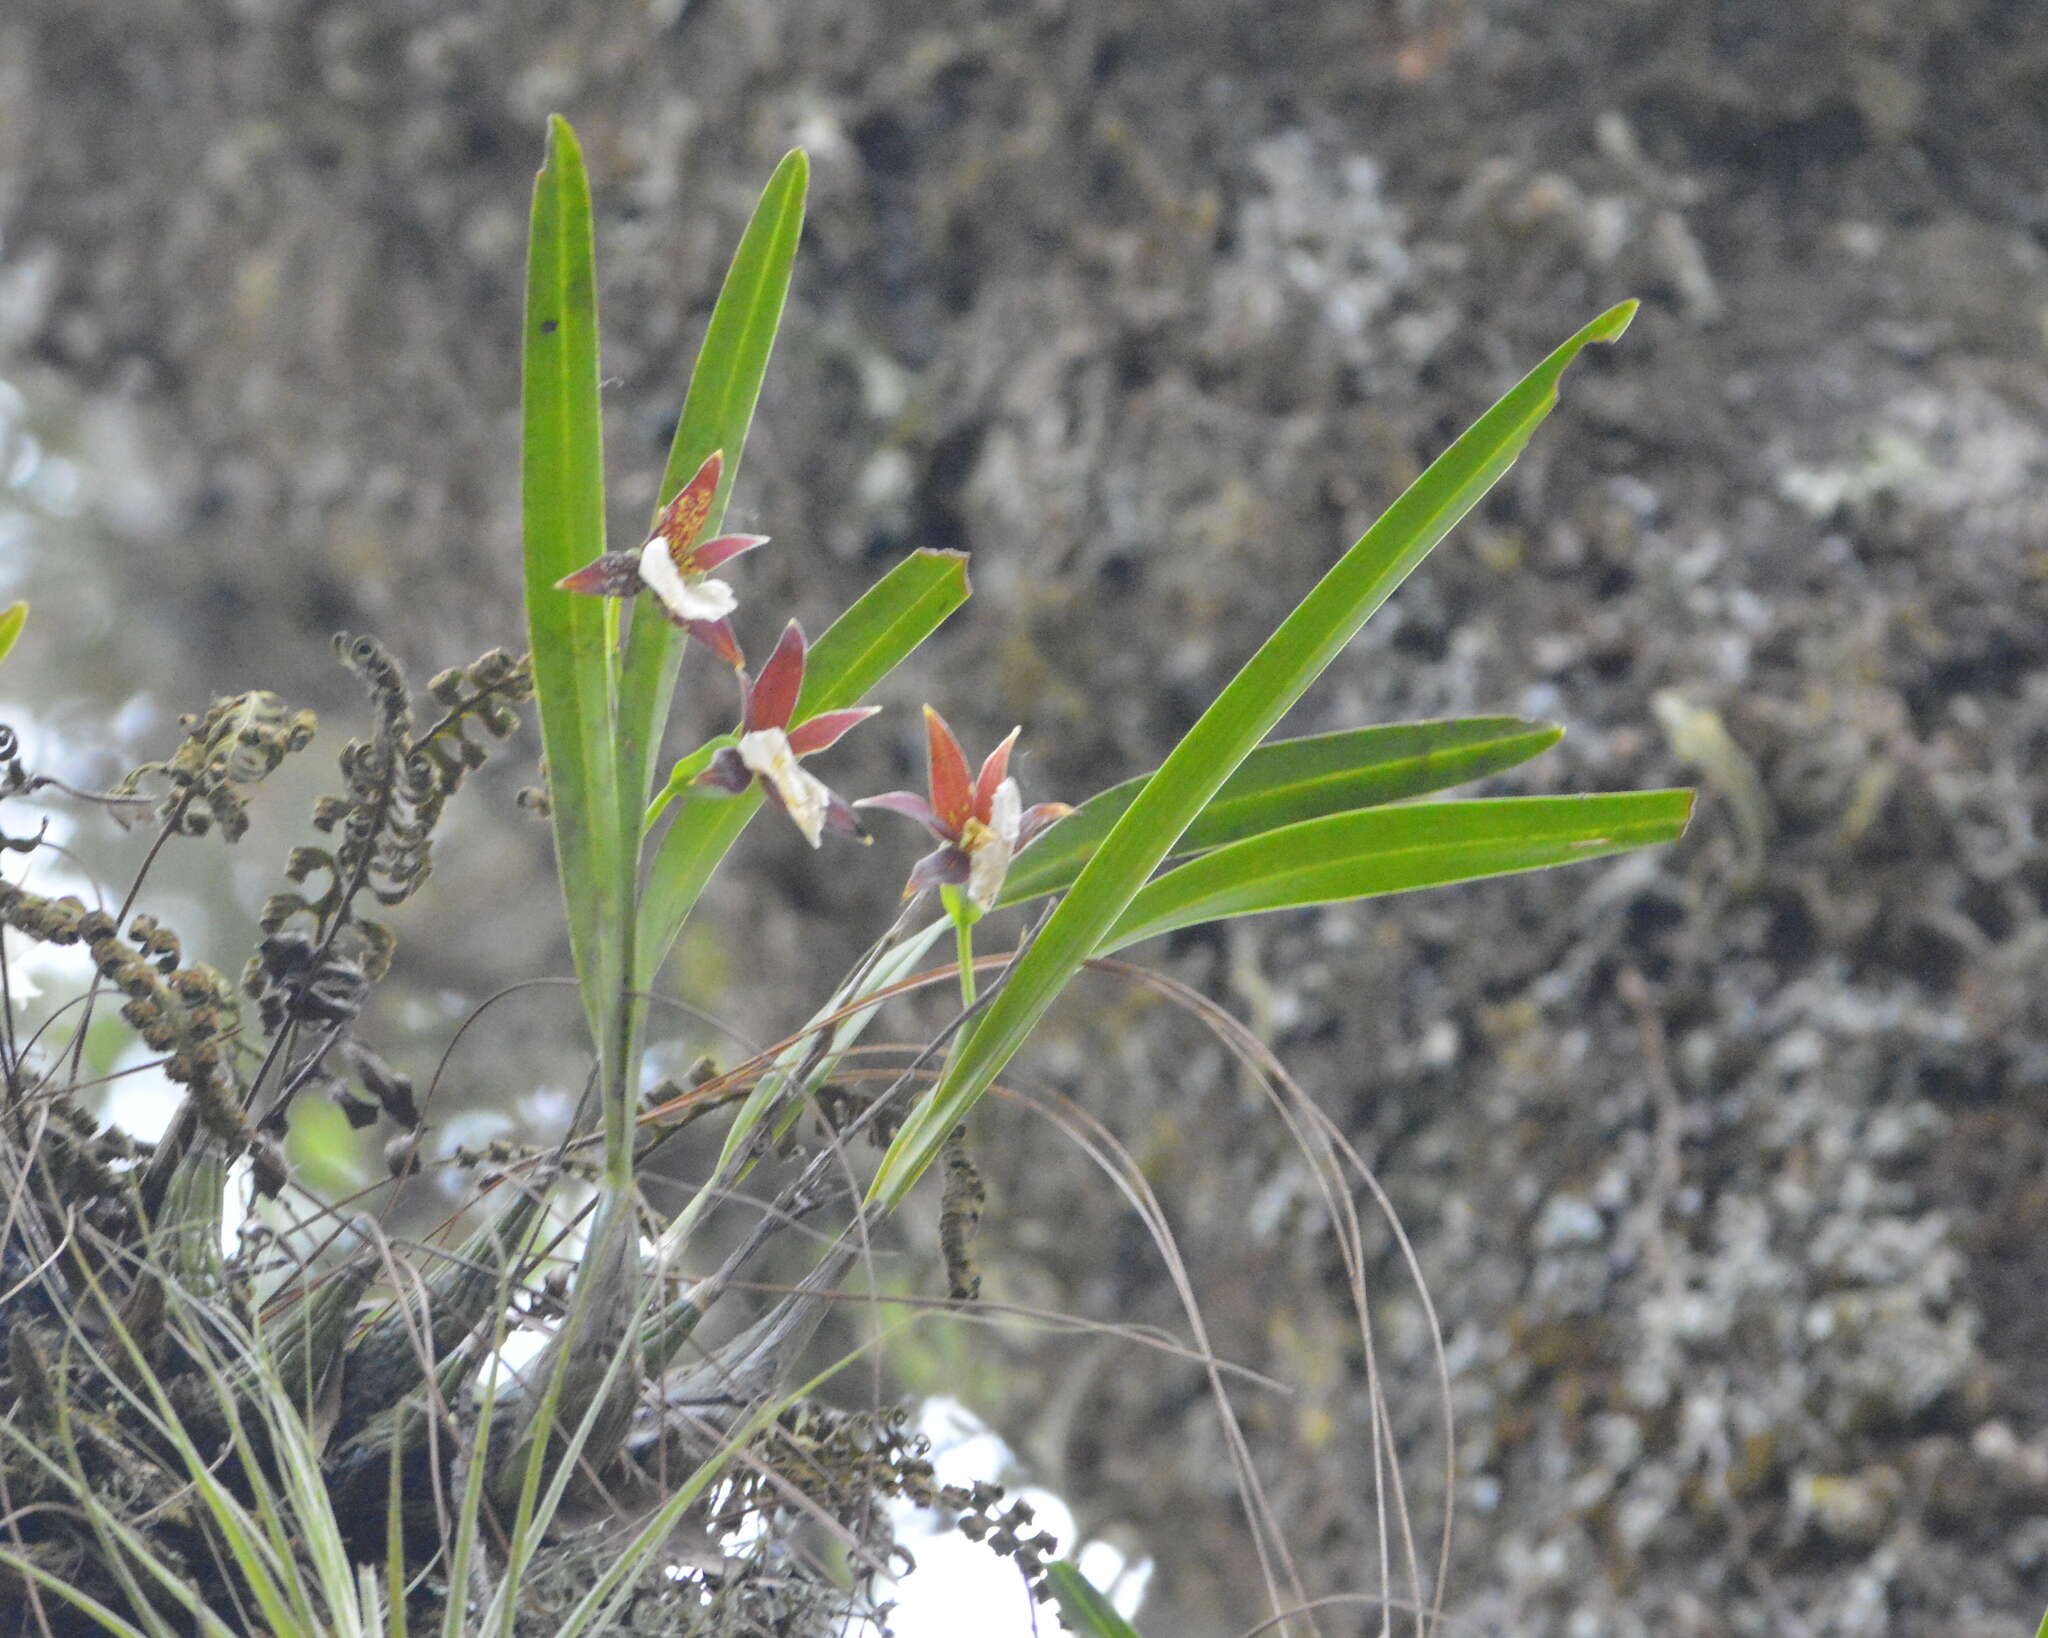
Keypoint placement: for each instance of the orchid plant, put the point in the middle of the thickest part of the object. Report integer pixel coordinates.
(1241, 827)
(339, 1418)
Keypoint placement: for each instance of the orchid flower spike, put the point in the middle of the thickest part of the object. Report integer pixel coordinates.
(769, 749)
(676, 566)
(980, 826)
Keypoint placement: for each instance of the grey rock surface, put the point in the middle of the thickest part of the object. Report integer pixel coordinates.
(1725, 1163)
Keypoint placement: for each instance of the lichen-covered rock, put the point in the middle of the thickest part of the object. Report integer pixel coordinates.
(1724, 1164)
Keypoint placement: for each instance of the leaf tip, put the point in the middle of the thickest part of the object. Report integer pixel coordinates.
(956, 561)
(11, 622)
(1611, 324)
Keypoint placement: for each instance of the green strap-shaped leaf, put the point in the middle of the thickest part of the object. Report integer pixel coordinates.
(1292, 780)
(562, 501)
(11, 623)
(1242, 715)
(1082, 1608)
(705, 826)
(860, 648)
(1395, 850)
(717, 412)
(884, 628)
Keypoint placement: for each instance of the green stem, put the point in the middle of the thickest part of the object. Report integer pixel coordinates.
(619, 1080)
(963, 939)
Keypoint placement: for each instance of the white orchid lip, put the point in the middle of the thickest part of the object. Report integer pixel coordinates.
(697, 599)
(766, 752)
(990, 847)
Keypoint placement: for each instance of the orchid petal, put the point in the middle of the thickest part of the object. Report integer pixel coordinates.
(952, 800)
(946, 866)
(993, 772)
(727, 772)
(988, 862)
(1038, 819)
(773, 697)
(682, 520)
(616, 574)
(838, 813)
(911, 806)
(715, 553)
(839, 816)
(824, 730)
(1006, 811)
(717, 636)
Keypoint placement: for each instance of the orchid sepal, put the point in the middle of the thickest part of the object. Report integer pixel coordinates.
(911, 806)
(827, 728)
(717, 636)
(1037, 818)
(946, 773)
(715, 554)
(616, 574)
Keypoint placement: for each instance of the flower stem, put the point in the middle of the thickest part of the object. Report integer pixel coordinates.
(963, 938)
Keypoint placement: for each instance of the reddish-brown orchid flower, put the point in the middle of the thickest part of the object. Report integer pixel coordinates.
(981, 825)
(677, 566)
(769, 747)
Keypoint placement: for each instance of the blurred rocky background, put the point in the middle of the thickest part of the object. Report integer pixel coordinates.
(1727, 1165)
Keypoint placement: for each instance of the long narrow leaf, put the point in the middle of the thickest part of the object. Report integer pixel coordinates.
(717, 411)
(122, 1542)
(1082, 1608)
(857, 651)
(883, 628)
(705, 826)
(1242, 715)
(1296, 779)
(261, 1542)
(11, 623)
(562, 500)
(1395, 850)
(479, 1459)
(28, 1569)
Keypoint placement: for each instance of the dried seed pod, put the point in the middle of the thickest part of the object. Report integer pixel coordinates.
(402, 1154)
(359, 1112)
(268, 1169)
(391, 1089)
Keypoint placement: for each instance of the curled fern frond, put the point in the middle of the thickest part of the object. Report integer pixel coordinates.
(186, 1012)
(323, 952)
(239, 740)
